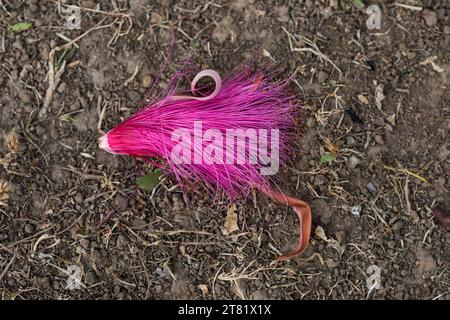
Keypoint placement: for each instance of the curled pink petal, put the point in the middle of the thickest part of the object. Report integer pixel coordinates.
(208, 73)
(205, 73)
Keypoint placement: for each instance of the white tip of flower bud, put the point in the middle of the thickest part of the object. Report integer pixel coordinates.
(103, 143)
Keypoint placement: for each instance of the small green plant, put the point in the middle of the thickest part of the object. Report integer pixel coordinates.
(359, 3)
(66, 55)
(195, 44)
(327, 157)
(21, 26)
(150, 180)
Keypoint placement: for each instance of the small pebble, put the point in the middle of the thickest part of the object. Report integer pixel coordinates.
(350, 141)
(79, 198)
(322, 76)
(430, 17)
(379, 139)
(40, 130)
(371, 187)
(353, 161)
(28, 228)
(147, 81)
(62, 87)
(356, 211)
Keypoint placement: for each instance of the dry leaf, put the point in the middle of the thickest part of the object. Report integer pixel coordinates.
(185, 254)
(230, 221)
(12, 141)
(333, 243)
(260, 13)
(363, 99)
(430, 60)
(87, 155)
(5, 188)
(204, 289)
(331, 263)
(391, 119)
(334, 149)
(320, 233)
(267, 54)
(437, 68)
(6, 160)
(379, 96)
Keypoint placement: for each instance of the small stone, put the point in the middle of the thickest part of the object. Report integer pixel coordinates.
(353, 161)
(160, 272)
(90, 278)
(391, 244)
(122, 241)
(283, 13)
(116, 290)
(447, 29)
(371, 187)
(40, 130)
(379, 139)
(375, 150)
(322, 76)
(138, 222)
(76, 105)
(340, 236)
(29, 228)
(331, 263)
(62, 87)
(95, 256)
(88, 4)
(356, 211)
(209, 249)
(223, 29)
(134, 96)
(411, 55)
(155, 18)
(79, 198)
(84, 243)
(442, 153)
(430, 17)
(350, 141)
(17, 45)
(363, 99)
(147, 81)
(162, 204)
(25, 97)
(323, 210)
(319, 180)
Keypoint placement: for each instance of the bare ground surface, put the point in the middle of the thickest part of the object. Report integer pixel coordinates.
(63, 202)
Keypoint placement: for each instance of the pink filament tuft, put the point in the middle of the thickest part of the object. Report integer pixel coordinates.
(244, 101)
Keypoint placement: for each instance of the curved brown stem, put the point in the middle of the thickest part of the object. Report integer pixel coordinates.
(304, 215)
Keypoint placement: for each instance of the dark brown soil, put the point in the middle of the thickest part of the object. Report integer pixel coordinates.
(391, 154)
